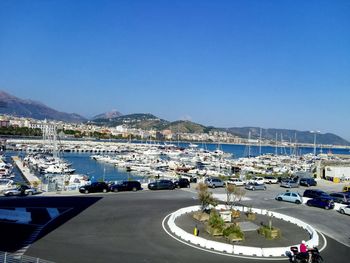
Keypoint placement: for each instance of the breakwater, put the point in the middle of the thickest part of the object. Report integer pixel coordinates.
(25, 171)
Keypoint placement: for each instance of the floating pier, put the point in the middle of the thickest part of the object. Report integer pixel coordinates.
(26, 173)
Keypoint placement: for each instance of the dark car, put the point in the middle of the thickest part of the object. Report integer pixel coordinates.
(182, 183)
(308, 182)
(126, 186)
(323, 202)
(94, 188)
(312, 193)
(342, 197)
(161, 185)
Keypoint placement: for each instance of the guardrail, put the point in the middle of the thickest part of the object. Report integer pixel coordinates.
(6, 257)
(238, 249)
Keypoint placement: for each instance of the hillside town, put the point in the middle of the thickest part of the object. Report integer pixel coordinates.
(87, 130)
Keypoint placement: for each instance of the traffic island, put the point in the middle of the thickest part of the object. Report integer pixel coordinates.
(181, 223)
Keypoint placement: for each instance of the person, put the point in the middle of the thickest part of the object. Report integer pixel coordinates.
(306, 253)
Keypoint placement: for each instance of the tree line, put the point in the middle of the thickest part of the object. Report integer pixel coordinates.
(20, 131)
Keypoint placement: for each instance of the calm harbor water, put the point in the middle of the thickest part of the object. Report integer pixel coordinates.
(104, 171)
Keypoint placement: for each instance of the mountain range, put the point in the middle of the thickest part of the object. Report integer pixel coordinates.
(288, 135)
(14, 106)
(107, 115)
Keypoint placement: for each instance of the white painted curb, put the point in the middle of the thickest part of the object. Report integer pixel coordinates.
(237, 249)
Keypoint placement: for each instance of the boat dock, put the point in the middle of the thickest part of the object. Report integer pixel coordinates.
(26, 173)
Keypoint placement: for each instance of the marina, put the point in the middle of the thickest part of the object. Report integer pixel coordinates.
(63, 170)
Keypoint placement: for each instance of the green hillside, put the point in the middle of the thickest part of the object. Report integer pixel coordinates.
(288, 135)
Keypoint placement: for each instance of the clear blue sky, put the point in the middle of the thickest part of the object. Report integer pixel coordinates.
(273, 64)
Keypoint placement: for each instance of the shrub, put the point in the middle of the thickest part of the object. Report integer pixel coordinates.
(268, 233)
(205, 197)
(215, 220)
(233, 230)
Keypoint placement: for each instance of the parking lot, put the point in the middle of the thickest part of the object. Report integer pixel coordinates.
(127, 226)
(330, 222)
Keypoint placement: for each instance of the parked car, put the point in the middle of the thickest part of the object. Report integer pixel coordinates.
(182, 183)
(345, 210)
(214, 182)
(270, 180)
(161, 185)
(236, 181)
(293, 197)
(342, 197)
(191, 178)
(21, 190)
(255, 186)
(257, 179)
(126, 186)
(312, 193)
(323, 202)
(307, 182)
(94, 188)
(289, 184)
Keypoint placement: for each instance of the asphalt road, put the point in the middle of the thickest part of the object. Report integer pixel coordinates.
(330, 222)
(127, 227)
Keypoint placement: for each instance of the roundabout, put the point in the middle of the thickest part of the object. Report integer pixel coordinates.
(260, 251)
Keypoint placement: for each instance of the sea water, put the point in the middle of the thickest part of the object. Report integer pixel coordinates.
(108, 172)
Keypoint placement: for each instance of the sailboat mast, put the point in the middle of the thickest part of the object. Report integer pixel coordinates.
(260, 142)
(249, 144)
(276, 145)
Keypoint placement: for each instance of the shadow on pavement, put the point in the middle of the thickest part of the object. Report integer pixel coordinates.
(15, 236)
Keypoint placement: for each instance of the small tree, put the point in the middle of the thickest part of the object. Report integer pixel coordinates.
(230, 188)
(234, 194)
(269, 215)
(205, 197)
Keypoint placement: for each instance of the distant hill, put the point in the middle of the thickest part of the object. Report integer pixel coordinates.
(185, 127)
(107, 115)
(144, 121)
(148, 121)
(288, 135)
(14, 106)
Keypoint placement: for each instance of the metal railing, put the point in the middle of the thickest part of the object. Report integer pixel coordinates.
(6, 257)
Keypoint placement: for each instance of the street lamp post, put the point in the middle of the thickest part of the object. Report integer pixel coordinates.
(315, 132)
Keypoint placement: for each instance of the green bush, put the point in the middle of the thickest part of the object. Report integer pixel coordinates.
(215, 220)
(268, 233)
(233, 230)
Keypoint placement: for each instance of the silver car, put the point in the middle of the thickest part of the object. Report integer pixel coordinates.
(289, 184)
(292, 197)
(236, 181)
(255, 186)
(21, 190)
(345, 210)
(214, 182)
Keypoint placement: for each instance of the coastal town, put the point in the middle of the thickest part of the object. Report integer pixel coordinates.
(174, 131)
(187, 168)
(68, 130)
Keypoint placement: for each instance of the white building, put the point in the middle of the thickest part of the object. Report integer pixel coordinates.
(341, 172)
